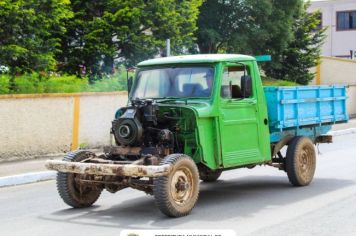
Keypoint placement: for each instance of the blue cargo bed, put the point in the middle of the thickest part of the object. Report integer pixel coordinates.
(290, 108)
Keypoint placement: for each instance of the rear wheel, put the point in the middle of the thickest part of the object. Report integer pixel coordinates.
(177, 193)
(207, 175)
(69, 187)
(301, 161)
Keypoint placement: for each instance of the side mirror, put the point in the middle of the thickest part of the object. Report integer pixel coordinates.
(129, 84)
(246, 86)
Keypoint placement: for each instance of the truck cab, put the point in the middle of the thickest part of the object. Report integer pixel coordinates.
(226, 95)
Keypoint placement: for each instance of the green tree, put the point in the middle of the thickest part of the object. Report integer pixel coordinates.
(218, 23)
(303, 52)
(87, 39)
(126, 31)
(279, 28)
(246, 26)
(28, 33)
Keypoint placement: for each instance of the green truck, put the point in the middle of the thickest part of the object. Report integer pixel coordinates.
(189, 118)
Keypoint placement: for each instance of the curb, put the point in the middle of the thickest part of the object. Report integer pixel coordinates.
(342, 132)
(27, 178)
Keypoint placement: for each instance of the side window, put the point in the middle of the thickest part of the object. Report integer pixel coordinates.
(231, 82)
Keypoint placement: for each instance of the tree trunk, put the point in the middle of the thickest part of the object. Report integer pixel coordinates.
(108, 64)
(12, 84)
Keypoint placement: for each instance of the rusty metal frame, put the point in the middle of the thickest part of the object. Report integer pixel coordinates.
(324, 139)
(119, 150)
(284, 141)
(109, 169)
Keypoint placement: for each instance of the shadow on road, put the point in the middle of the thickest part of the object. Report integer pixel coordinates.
(222, 200)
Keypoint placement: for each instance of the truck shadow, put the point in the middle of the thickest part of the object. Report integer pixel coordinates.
(236, 198)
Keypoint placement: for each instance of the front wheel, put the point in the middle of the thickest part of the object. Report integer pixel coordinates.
(177, 193)
(72, 191)
(300, 161)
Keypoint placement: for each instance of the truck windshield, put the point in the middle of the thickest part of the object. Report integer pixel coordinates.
(177, 82)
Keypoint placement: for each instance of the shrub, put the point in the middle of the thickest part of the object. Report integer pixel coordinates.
(65, 84)
(266, 81)
(54, 83)
(4, 84)
(108, 84)
(27, 83)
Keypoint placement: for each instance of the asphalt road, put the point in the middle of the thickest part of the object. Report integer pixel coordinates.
(251, 202)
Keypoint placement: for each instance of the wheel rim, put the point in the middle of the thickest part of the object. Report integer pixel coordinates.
(306, 163)
(182, 186)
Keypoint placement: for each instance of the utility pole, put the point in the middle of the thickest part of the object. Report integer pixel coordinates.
(168, 47)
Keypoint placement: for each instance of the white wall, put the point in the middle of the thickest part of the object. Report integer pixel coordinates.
(33, 125)
(351, 102)
(339, 71)
(338, 43)
(96, 114)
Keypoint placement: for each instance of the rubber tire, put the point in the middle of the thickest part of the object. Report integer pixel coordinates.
(207, 175)
(295, 148)
(65, 184)
(161, 187)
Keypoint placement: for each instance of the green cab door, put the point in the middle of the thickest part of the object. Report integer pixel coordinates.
(238, 120)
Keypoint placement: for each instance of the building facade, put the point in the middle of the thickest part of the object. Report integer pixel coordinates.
(339, 16)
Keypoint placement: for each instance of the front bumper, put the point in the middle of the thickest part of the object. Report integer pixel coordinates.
(109, 169)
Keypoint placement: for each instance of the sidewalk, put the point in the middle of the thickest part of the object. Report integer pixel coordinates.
(29, 171)
(346, 128)
(348, 125)
(26, 166)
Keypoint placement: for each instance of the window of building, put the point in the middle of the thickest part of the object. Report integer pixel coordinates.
(346, 20)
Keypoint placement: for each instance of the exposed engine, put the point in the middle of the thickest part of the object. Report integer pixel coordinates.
(139, 127)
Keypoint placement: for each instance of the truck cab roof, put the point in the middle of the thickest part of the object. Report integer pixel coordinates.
(198, 59)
